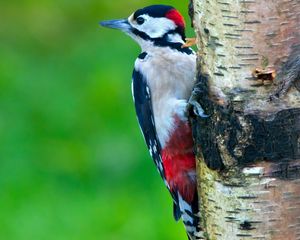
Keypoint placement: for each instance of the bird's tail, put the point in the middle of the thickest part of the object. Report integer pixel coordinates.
(191, 218)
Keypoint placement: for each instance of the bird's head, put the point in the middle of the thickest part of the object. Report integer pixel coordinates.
(156, 24)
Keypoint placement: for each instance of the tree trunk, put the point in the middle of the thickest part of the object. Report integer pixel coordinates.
(248, 149)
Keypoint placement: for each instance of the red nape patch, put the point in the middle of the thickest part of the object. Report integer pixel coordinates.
(176, 17)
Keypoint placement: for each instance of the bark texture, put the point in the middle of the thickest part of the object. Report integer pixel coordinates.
(249, 148)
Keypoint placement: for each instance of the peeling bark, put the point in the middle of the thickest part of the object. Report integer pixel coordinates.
(249, 148)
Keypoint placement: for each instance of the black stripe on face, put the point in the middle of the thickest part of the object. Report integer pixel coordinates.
(141, 34)
(163, 41)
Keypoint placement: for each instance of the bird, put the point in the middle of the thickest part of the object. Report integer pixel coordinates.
(162, 83)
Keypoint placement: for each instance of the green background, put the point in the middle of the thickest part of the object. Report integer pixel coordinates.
(73, 163)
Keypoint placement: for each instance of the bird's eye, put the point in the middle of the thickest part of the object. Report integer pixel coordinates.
(140, 20)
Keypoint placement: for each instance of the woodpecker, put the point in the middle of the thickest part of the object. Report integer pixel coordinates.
(162, 82)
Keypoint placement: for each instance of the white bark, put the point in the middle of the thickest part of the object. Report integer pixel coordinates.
(249, 195)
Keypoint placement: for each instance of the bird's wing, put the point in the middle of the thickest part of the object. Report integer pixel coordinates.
(143, 106)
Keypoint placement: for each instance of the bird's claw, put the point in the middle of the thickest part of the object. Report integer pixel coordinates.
(197, 109)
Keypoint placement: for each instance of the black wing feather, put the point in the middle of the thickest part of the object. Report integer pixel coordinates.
(143, 107)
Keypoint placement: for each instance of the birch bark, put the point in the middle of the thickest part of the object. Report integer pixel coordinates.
(248, 150)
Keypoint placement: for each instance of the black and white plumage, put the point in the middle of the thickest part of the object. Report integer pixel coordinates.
(162, 83)
(143, 107)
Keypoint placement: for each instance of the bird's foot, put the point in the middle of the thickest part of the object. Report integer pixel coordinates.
(189, 42)
(196, 108)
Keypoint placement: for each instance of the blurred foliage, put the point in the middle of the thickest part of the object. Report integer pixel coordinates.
(73, 162)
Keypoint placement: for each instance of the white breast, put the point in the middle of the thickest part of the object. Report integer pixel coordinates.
(170, 75)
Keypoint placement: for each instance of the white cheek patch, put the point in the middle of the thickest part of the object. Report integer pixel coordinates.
(155, 27)
(174, 38)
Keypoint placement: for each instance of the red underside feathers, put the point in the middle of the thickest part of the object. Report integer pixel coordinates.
(179, 161)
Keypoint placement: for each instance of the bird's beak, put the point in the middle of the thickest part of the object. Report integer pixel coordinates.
(121, 24)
